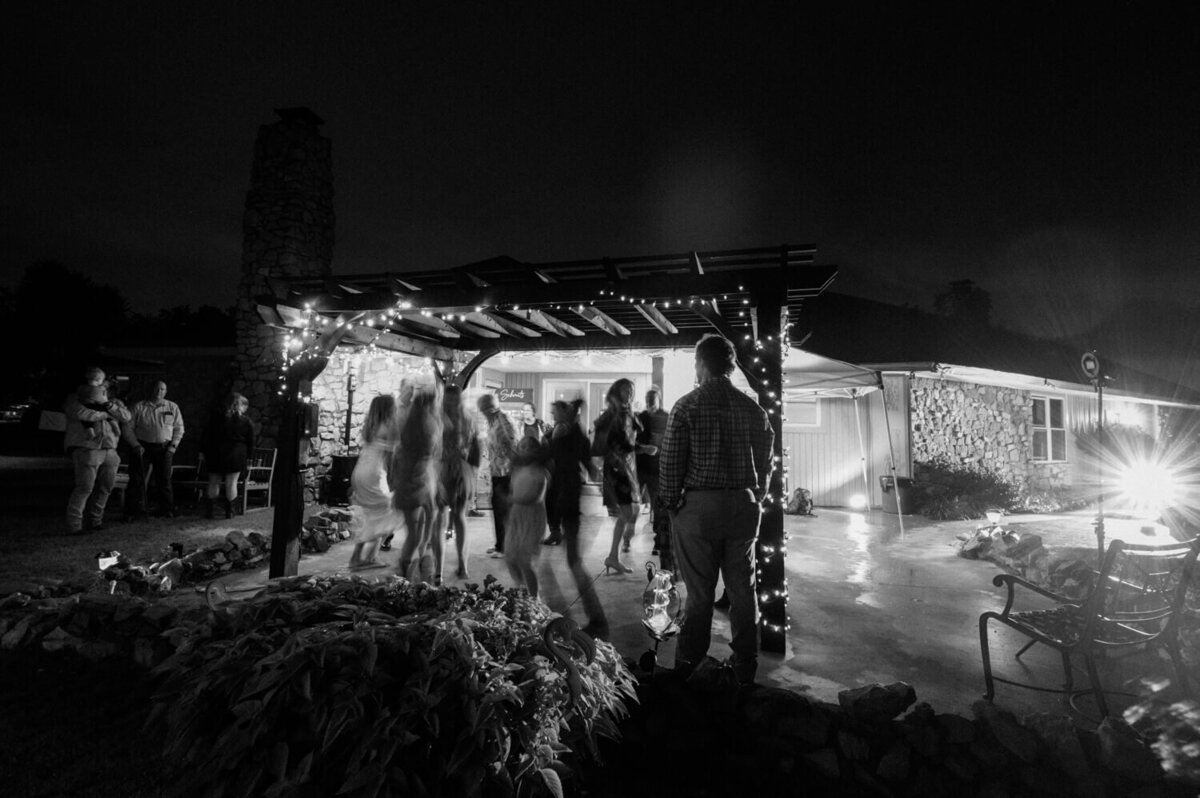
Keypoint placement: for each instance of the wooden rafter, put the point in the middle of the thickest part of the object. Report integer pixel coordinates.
(602, 320)
(655, 317)
(553, 324)
(471, 330)
(572, 293)
(511, 327)
(439, 327)
(486, 322)
(401, 286)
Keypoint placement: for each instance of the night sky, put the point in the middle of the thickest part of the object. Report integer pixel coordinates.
(1049, 155)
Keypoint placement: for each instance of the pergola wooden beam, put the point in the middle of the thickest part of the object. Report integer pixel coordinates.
(572, 293)
(602, 320)
(655, 317)
(486, 322)
(512, 327)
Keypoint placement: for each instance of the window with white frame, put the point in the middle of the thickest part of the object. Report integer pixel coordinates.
(1049, 429)
(801, 411)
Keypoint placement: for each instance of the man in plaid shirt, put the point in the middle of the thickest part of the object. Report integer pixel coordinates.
(714, 468)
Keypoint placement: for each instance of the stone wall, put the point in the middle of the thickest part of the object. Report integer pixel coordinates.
(983, 426)
(371, 375)
(287, 230)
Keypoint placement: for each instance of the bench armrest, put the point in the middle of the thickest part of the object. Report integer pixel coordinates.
(1010, 581)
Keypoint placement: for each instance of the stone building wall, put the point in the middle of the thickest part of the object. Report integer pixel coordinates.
(288, 228)
(372, 374)
(983, 426)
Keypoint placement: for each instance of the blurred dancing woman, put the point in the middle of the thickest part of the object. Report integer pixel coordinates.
(527, 511)
(416, 468)
(460, 458)
(617, 431)
(369, 483)
(571, 457)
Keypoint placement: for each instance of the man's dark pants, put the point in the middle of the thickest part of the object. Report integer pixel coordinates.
(714, 533)
(501, 498)
(158, 458)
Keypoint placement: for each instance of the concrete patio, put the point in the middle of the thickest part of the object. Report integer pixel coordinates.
(867, 603)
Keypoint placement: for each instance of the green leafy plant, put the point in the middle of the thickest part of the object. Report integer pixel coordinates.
(1054, 500)
(948, 491)
(337, 686)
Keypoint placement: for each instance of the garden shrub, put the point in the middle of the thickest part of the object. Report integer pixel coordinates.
(948, 491)
(1054, 500)
(337, 686)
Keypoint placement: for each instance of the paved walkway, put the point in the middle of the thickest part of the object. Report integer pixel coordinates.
(867, 604)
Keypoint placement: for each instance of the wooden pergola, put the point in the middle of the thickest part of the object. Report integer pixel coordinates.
(471, 313)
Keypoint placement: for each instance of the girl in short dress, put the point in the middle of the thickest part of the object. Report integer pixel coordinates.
(527, 512)
(617, 429)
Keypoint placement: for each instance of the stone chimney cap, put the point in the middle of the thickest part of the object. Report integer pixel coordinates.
(304, 115)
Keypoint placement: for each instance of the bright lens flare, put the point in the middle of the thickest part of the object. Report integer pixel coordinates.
(1149, 486)
(858, 501)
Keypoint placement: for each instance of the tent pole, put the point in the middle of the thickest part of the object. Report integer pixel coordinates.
(862, 452)
(892, 456)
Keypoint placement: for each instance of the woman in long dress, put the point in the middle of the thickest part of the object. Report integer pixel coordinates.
(370, 492)
(416, 468)
(460, 458)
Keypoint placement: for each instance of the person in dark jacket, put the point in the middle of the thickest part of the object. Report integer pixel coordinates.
(570, 453)
(229, 440)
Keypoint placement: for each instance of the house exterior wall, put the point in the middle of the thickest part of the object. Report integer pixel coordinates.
(984, 426)
(826, 459)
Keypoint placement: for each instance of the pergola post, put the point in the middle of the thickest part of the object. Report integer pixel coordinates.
(762, 362)
(288, 490)
(287, 483)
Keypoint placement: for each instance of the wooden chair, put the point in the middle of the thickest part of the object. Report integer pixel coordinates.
(193, 478)
(260, 472)
(1138, 598)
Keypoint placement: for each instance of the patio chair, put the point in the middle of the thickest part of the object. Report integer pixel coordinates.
(260, 472)
(1136, 599)
(190, 478)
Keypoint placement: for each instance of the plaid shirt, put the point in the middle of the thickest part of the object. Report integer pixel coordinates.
(500, 444)
(717, 437)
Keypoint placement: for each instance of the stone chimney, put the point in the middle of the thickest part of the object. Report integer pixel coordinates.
(287, 232)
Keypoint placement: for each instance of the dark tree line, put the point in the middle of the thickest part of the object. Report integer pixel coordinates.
(57, 321)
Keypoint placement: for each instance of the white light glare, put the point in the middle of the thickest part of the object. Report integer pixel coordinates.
(1148, 486)
(858, 501)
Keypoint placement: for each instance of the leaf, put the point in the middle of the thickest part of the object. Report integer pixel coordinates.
(277, 760)
(370, 776)
(553, 782)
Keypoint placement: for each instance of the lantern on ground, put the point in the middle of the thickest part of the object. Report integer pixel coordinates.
(660, 611)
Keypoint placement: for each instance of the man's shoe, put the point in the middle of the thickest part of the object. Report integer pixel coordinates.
(475, 513)
(743, 671)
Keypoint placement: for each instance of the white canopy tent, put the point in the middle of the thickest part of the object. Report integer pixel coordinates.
(809, 374)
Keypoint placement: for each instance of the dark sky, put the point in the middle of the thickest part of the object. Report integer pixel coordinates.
(1049, 154)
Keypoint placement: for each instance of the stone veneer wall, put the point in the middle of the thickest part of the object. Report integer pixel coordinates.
(984, 426)
(287, 230)
(374, 374)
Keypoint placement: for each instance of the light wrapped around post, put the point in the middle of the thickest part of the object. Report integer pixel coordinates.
(764, 355)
